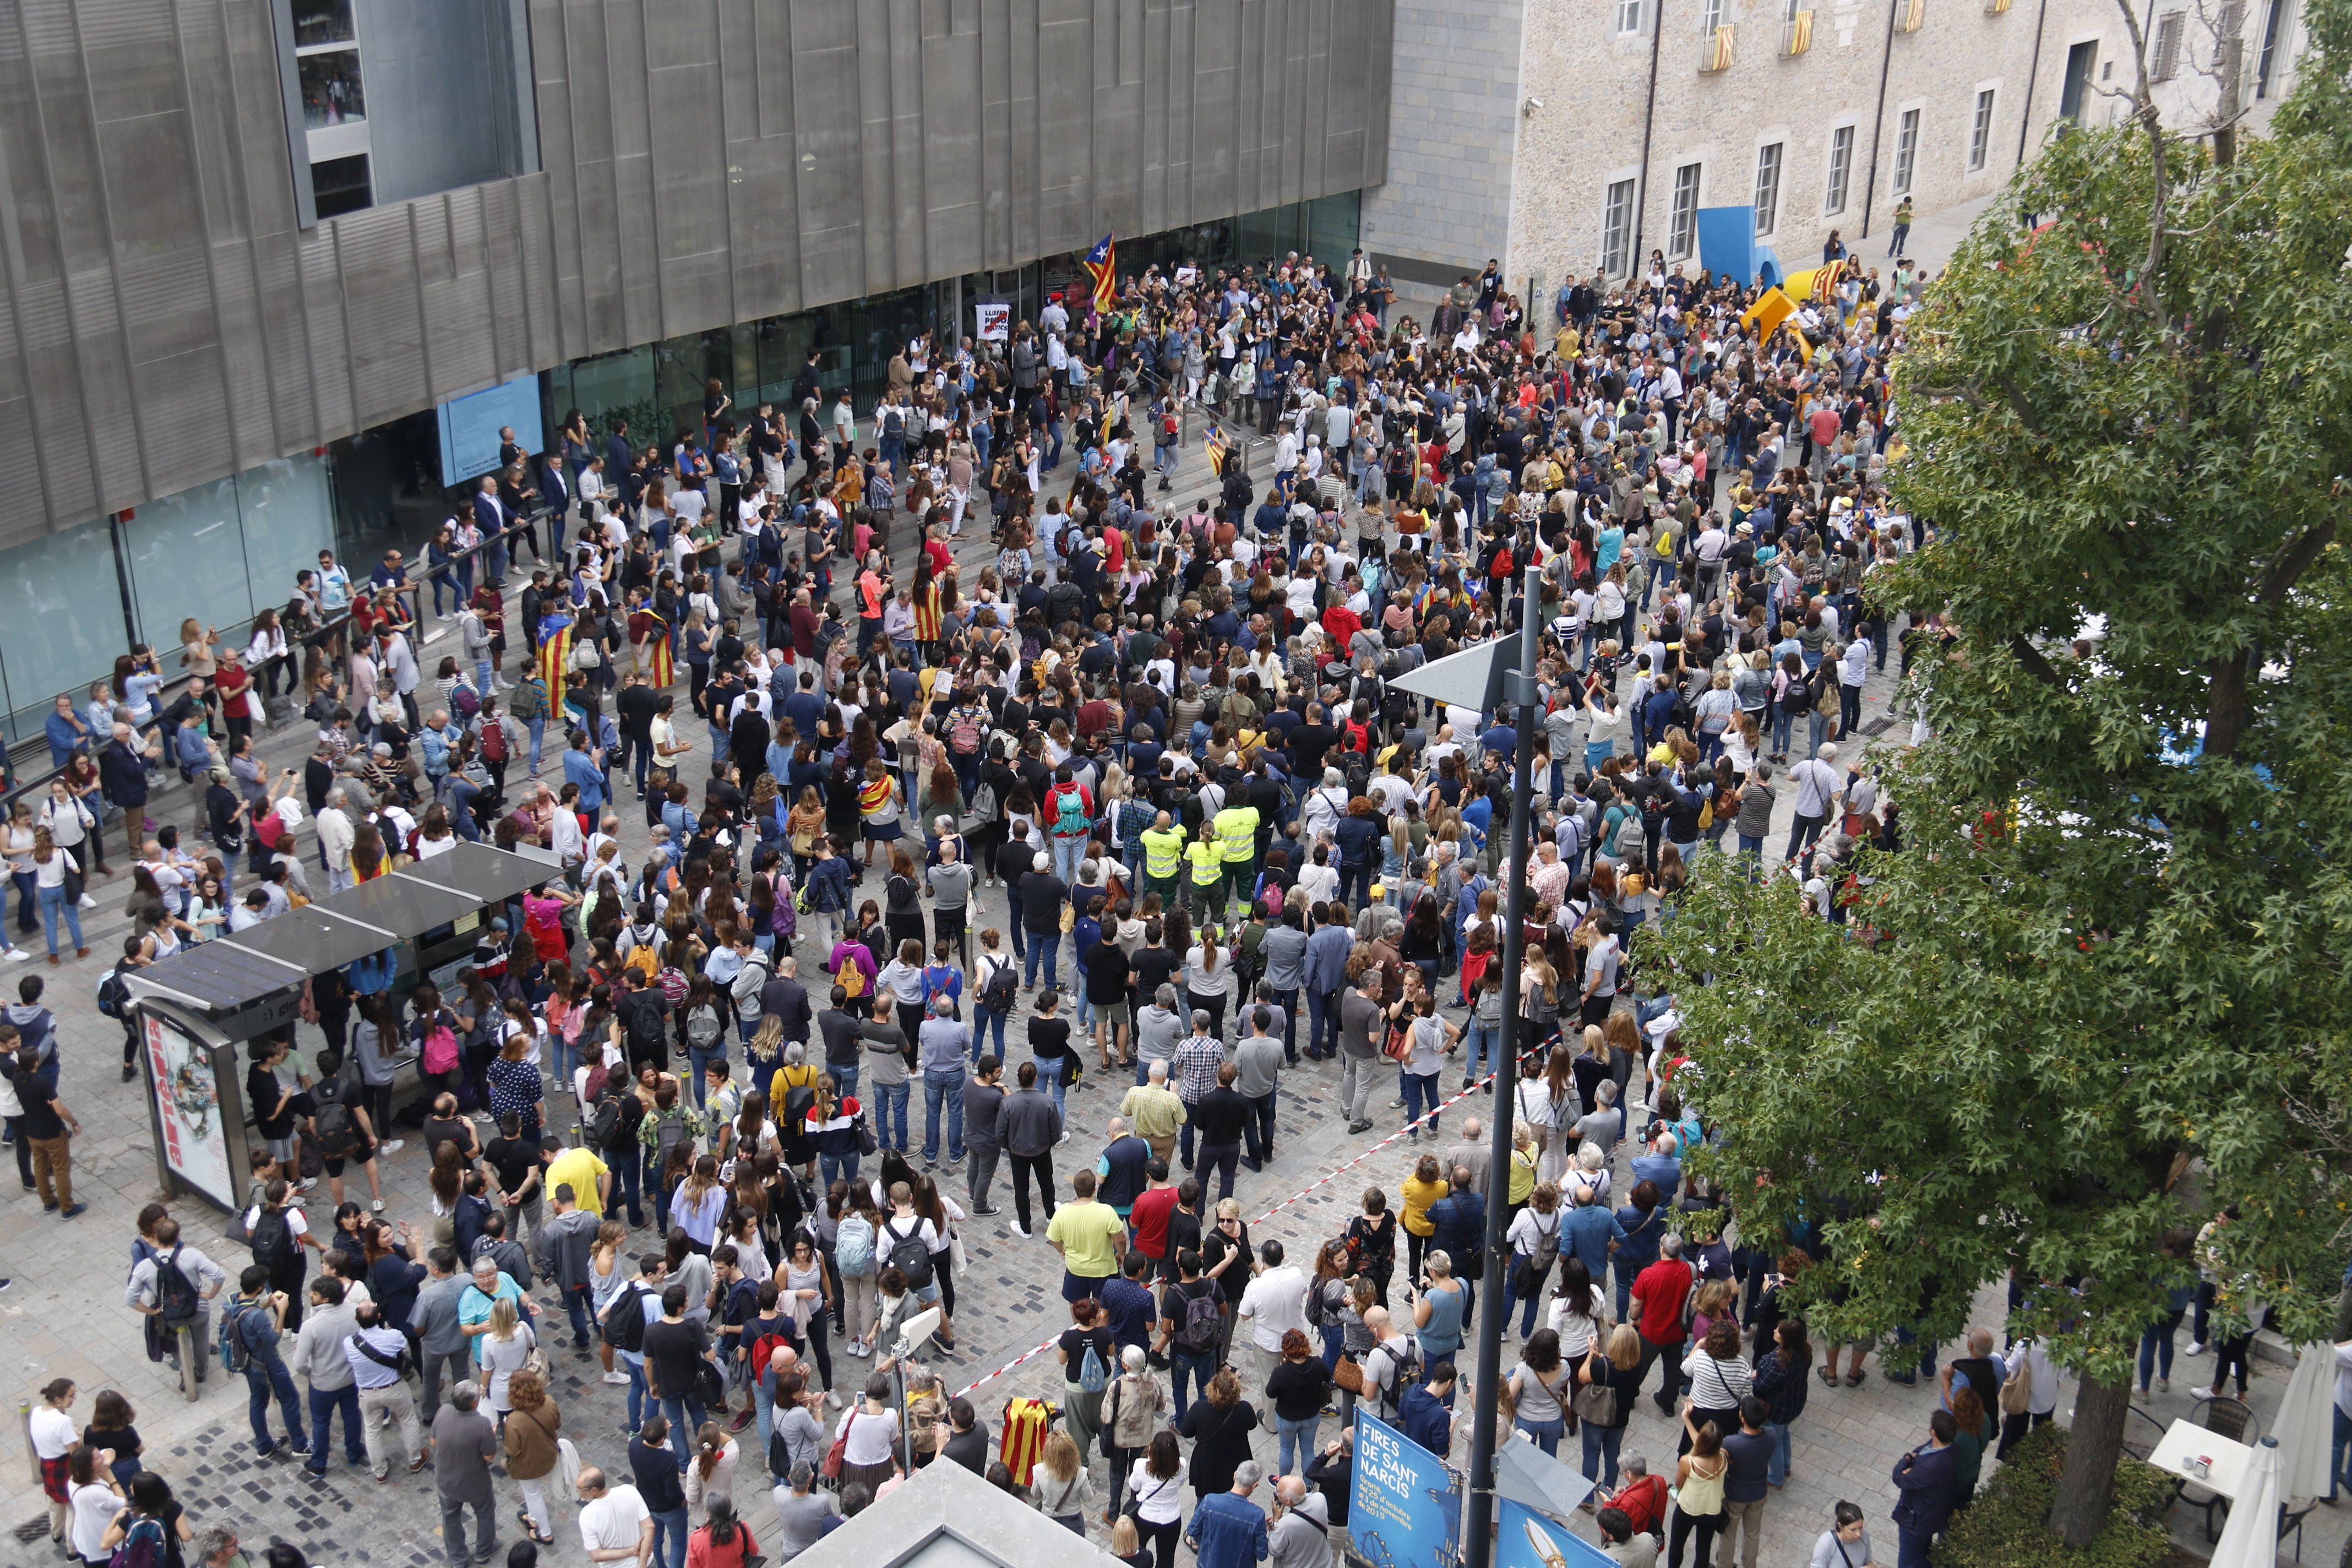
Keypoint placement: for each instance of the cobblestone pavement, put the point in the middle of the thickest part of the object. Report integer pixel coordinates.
(64, 1316)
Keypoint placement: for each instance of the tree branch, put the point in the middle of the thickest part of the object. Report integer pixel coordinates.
(2023, 649)
(2297, 560)
(2019, 406)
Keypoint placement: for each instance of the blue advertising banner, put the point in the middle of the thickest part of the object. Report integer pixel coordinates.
(1528, 1540)
(1404, 1509)
(470, 425)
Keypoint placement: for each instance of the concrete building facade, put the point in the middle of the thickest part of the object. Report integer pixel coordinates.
(246, 246)
(1824, 115)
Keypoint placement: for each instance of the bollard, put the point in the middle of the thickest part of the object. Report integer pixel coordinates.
(187, 1334)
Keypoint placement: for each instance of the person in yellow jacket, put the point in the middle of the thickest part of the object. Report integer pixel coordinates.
(1163, 857)
(1236, 828)
(1206, 856)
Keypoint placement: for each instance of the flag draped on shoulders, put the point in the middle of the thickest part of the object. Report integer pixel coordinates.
(554, 650)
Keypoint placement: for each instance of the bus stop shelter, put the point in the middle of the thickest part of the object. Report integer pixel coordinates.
(193, 1010)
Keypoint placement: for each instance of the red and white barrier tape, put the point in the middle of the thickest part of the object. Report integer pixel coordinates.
(1332, 1174)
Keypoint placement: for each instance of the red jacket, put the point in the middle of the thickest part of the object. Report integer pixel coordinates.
(1644, 1502)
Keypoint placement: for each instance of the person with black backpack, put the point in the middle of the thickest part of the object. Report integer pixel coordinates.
(612, 1131)
(276, 1231)
(252, 1326)
(170, 1284)
(1191, 1326)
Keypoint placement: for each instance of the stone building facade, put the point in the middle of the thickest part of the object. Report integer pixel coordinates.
(1631, 115)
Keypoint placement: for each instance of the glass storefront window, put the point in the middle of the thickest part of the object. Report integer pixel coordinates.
(60, 619)
(187, 560)
(331, 88)
(289, 516)
(607, 388)
(323, 22)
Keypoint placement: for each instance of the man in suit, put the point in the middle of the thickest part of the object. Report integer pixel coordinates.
(1926, 1478)
(491, 515)
(557, 491)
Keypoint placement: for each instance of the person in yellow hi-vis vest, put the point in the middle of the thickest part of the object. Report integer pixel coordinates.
(1163, 856)
(1237, 829)
(1207, 856)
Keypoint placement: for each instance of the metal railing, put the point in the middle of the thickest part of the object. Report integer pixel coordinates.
(1714, 49)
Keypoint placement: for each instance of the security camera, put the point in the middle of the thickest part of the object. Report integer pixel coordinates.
(1534, 104)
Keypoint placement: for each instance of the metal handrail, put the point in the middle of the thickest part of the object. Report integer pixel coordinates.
(324, 633)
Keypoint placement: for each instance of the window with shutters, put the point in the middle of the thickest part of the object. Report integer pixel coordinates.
(1840, 169)
(2164, 59)
(1981, 131)
(1907, 151)
(1682, 229)
(1767, 188)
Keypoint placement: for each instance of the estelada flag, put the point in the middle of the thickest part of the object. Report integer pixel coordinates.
(657, 649)
(1102, 266)
(1220, 449)
(555, 654)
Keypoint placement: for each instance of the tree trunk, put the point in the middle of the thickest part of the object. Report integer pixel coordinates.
(2093, 1444)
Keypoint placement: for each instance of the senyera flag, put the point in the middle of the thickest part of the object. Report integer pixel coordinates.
(1102, 266)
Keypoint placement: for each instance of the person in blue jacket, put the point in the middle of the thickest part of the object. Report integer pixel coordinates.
(1422, 1415)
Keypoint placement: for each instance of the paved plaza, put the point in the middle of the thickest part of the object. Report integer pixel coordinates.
(64, 1316)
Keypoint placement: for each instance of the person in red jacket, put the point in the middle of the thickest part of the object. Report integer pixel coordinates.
(1068, 816)
(1656, 1314)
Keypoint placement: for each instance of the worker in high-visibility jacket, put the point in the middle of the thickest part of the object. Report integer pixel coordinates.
(1237, 831)
(1163, 857)
(1206, 855)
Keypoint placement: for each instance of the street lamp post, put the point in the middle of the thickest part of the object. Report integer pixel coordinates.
(1520, 691)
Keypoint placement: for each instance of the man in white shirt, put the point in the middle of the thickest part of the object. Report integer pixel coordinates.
(1817, 786)
(616, 1526)
(1274, 1303)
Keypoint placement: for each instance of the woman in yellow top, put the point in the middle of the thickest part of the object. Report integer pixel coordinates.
(1523, 1165)
(1424, 1187)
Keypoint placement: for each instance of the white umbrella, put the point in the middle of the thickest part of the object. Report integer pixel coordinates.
(2250, 1538)
(2306, 1427)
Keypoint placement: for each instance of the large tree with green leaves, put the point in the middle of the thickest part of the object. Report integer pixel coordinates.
(2111, 998)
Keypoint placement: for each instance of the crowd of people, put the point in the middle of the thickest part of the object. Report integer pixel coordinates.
(1230, 848)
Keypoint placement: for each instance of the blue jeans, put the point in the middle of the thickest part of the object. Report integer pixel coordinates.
(1601, 1445)
(2156, 1356)
(1183, 1364)
(1545, 1433)
(1044, 950)
(639, 1397)
(1776, 1469)
(1322, 1011)
(1067, 853)
(702, 1057)
(576, 1301)
(1481, 1044)
(1300, 1433)
(983, 1021)
(891, 1099)
(1050, 1080)
(938, 1087)
(1911, 1548)
(685, 1413)
(628, 1179)
(1288, 1001)
(830, 1166)
(1420, 1096)
(672, 1527)
(55, 903)
(538, 728)
(323, 1406)
(261, 1383)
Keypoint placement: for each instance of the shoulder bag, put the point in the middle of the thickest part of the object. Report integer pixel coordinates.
(833, 1455)
(1594, 1402)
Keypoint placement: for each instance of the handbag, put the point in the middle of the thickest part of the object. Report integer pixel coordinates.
(2017, 1389)
(833, 1454)
(866, 1141)
(1349, 1374)
(1399, 1044)
(1596, 1402)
